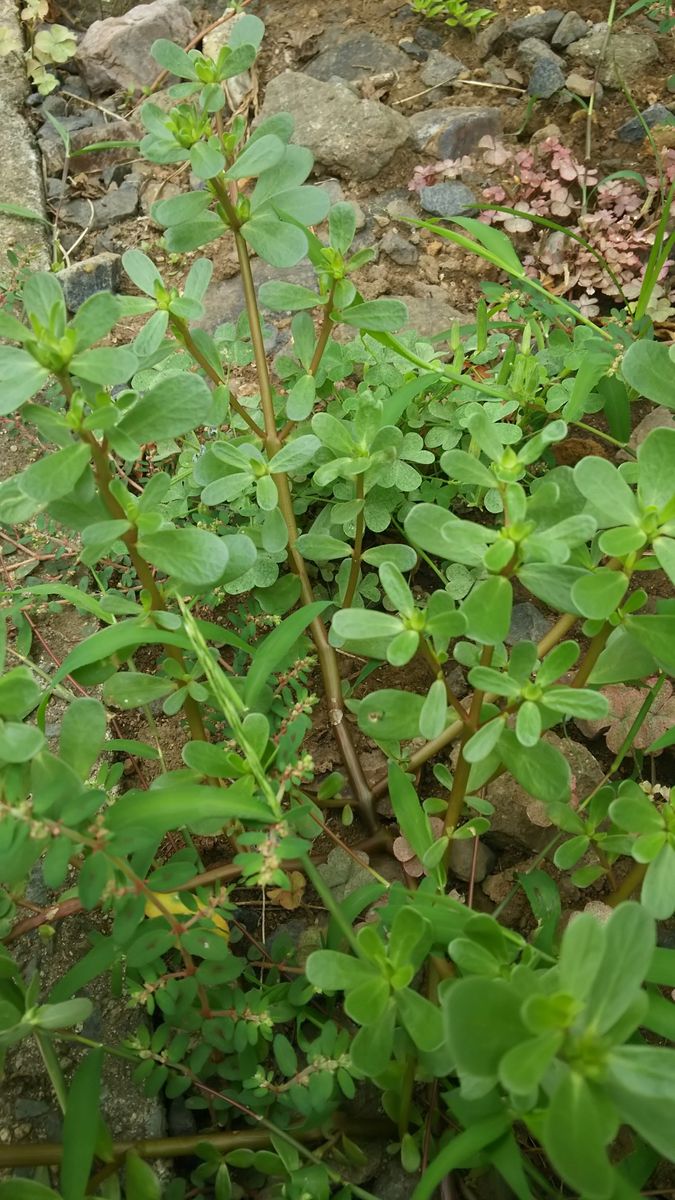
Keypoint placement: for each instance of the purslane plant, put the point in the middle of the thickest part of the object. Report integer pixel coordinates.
(346, 467)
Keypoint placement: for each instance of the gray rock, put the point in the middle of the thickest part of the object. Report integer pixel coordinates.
(429, 37)
(117, 205)
(56, 104)
(533, 50)
(48, 134)
(102, 273)
(451, 132)
(180, 1119)
(115, 53)
(546, 78)
(658, 418)
(224, 301)
(53, 149)
(626, 57)
(448, 199)
(581, 86)
(395, 203)
(347, 135)
(357, 56)
(97, 10)
(343, 873)
(410, 47)
(399, 249)
(55, 189)
(461, 859)
(537, 25)
(116, 173)
(77, 87)
(488, 37)
(440, 69)
(495, 72)
(571, 29)
(634, 129)
(21, 184)
(400, 209)
(429, 315)
(393, 1182)
(527, 624)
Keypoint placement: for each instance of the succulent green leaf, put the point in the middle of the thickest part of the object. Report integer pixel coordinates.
(202, 808)
(173, 59)
(195, 557)
(20, 378)
(132, 689)
(601, 483)
(295, 454)
(598, 594)
(260, 155)
(648, 367)
(275, 241)
(575, 1136)
(655, 634)
(176, 405)
(656, 461)
(56, 474)
(378, 315)
(342, 226)
(287, 297)
(487, 610)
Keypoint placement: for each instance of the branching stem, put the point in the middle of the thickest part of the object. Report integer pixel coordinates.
(357, 550)
(330, 672)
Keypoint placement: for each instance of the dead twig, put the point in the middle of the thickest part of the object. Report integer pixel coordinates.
(501, 87)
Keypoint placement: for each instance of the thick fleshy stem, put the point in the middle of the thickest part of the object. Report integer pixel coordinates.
(182, 332)
(142, 568)
(327, 659)
(322, 342)
(463, 769)
(101, 465)
(427, 653)
(355, 568)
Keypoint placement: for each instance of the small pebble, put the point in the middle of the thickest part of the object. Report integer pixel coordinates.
(583, 87)
(399, 249)
(633, 130)
(410, 46)
(571, 29)
(546, 79)
(537, 25)
(101, 273)
(447, 199)
(440, 69)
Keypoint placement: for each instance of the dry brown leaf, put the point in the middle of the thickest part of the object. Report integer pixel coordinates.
(289, 898)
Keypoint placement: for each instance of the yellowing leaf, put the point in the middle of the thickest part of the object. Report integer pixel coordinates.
(171, 902)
